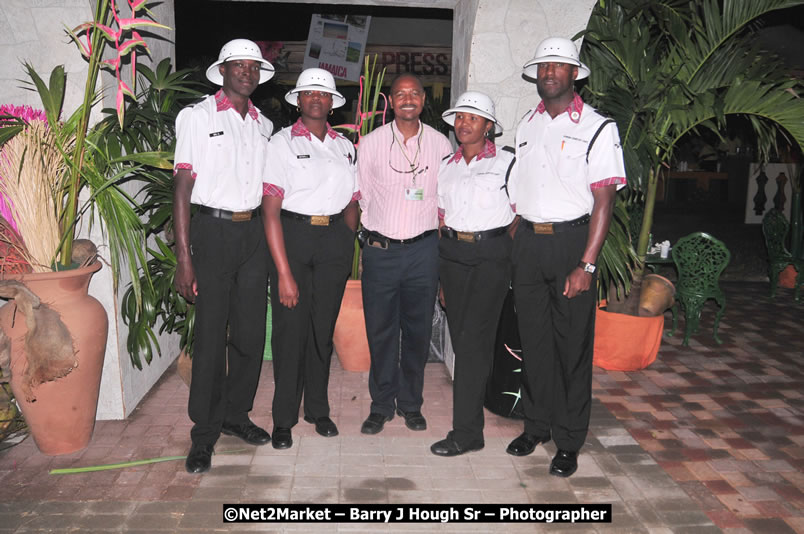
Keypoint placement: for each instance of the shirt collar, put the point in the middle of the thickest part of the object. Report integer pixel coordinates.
(223, 103)
(300, 130)
(489, 151)
(574, 109)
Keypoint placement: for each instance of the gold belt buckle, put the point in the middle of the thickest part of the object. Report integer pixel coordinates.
(543, 228)
(241, 216)
(319, 220)
(468, 237)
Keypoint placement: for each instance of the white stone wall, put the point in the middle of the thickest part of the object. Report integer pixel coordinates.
(506, 33)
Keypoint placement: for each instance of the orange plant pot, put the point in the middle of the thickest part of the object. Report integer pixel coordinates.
(351, 343)
(62, 417)
(787, 278)
(625, 342)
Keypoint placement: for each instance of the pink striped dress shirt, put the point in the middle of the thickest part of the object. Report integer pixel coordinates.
(381, 163)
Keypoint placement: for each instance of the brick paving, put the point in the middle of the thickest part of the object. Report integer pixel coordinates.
(725, 421)
(707, 439)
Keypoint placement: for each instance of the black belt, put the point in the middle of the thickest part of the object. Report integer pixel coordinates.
(380, 237)
(315, 220)
(472, 237)
(555, 227)
(234, 216)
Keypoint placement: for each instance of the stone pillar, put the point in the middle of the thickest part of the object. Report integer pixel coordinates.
(504, 38)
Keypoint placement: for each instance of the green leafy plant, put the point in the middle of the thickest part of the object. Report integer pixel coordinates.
(150, 126)
(93, 163)
(672, 68)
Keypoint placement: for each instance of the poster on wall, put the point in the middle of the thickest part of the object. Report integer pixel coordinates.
(337, 43)
(768, 187)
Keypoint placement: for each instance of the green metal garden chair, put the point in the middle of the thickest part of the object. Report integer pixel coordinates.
(699, 259)
(774, 227)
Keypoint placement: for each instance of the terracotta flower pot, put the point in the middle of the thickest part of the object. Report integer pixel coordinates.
(787, 278)
(625, 342)
(658, 294)
(349, 338)
(62, 416)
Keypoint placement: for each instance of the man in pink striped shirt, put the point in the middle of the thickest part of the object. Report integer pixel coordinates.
(396, 174)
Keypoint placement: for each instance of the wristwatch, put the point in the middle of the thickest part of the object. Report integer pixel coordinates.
(587, 267)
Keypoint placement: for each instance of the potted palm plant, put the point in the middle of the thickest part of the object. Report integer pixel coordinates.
(64, 170)
(672, 68)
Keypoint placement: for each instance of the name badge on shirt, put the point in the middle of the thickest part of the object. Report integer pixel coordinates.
(215, 134)
(303, 156)
(414, 193)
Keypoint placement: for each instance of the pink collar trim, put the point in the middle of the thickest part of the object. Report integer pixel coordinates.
(223, 103)
(574, 109)
(489, 151)
(300, 130)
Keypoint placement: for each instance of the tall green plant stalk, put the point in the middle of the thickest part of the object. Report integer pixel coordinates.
(365, 121)
(102, 16)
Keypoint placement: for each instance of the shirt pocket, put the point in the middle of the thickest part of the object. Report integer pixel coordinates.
(572, 162)
(222, 150)
(488, 188)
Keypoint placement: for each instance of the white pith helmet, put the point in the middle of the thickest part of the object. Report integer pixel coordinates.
(556, 50)
(476, 103)
(240, 49)
(315, 79)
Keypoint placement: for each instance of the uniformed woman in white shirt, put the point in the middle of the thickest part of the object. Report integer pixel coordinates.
(310, 214)
(475, 222)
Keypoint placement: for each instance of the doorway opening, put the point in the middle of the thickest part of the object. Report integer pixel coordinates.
(403, 39)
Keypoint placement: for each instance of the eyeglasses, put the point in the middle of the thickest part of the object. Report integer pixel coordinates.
(414, 165)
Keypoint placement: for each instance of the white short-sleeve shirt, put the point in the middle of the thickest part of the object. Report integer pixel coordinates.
(551, 180)
(313, 177)
(472, 196)
(225, 153)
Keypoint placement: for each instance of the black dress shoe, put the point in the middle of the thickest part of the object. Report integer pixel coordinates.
(564, 463)
(282, 438)
(413, 420)
(450, 447)
(323, 425)
(525, 444)
(199, 459)
(248, 432)
(374, 423)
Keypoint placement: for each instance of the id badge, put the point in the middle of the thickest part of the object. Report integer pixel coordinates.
(414, 193)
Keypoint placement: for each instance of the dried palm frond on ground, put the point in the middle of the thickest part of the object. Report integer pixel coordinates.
(32, 169)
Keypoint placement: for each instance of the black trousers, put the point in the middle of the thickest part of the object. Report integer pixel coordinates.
(399, 291)
(320, 259)
(557, 335)
(475, 278)
(231, 269)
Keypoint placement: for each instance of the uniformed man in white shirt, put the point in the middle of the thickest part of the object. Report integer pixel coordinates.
(569, 166)
(220, 164)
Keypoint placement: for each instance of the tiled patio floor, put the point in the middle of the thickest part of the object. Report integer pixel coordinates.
(707, 438)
